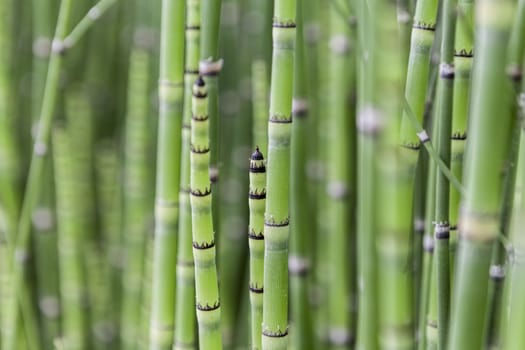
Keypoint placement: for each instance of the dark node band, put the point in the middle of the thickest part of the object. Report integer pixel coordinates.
(459, 136)
(463, 53)
(199, 118)
(208, 307)
(447, 75)
(256, 236)
(199, 193)
(257, 169)
(257, 195)
(280, 119)
(411, 146)
(200, 94)
(203, 245)
(191, 71)
(186, 126)
(277, 334)
(284, 25)
(197, 27)
(255, 289)
(283, 223)
(424, 26)
(199, 150)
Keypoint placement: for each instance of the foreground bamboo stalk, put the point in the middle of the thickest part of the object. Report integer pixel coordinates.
(276, 225)
(257, 199)
(478, 226)
(168, 174)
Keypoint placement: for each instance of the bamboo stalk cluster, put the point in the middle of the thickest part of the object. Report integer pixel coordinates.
(265, 175)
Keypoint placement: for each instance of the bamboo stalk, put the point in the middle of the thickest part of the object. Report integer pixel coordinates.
(478, 227)
(185, 334)
(206, 284)
(257, 199)
(168, 174)
(276, 226)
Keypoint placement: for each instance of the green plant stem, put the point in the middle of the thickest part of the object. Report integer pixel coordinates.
(137, 195)
(257, 199)
(260, 104)
(87, 22)
(185, 334)
(206, 283)
(479, 216)
(299, 261)
(171, 91)
(444, 121)
(276, 226)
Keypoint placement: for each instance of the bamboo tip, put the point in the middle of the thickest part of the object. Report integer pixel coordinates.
(257, 155)
(199, 82)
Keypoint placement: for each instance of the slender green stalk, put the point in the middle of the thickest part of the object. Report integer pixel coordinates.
(367, 132)
(168, 174)
(340, 185)
(260, 104)
(444, 121)
(185, 334)
(276, 226)
(87, 21)
(257, 199)
(463, 53)
(137, 195)
(478, 227)
(70, 244)
(206, 284)
(299, 262)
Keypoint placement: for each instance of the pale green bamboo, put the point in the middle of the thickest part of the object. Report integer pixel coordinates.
(257, 199)
(70, 243)
(478, 227)
(137, 195)
(171, 91)
(260, 104)
(206, 283)
(185, 332)
(276, 229)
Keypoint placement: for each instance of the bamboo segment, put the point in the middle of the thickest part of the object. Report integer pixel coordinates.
(185, 335)
(276, 226)
(206, 286)
(257, 199)
(168, 174)
(478, 226)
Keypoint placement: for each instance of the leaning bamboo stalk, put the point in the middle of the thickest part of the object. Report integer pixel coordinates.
(206, 283)
(276, 226)
(478, 226)
(168, 174)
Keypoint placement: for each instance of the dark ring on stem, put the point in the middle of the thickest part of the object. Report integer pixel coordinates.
(256, 236)
(459, 136)
(447, 75)
(424, 26)
(411, 146)
(258, 169)
(204, 245)
(186, 126)
(199, 118)
(191, 71)
(284, 25)
(199, 193)
(185, 190)
(284, 223)
(198, 150)
(200, 94)
(255, 195)
(463, 53)
(277, 334)
(280, 119)
(208, 307)
(197, 27)
(255, 289)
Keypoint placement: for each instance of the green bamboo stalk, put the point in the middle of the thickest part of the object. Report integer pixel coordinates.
(257, 199)
(168, 173)
(276, 226)
(512, 336)
(463, 53)
(137, 195)
(206, 285)
(479, 216)
(299, 262)
(367, 130)
(260, 104)
(185, 334)
(340, 187)
(444, 121)
(70, 243)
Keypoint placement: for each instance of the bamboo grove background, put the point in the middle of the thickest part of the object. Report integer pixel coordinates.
(248, 174)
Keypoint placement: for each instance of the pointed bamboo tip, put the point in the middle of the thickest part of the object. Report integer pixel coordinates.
(200, 81)
(257, 155)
